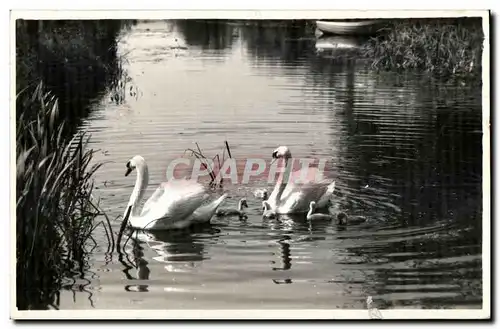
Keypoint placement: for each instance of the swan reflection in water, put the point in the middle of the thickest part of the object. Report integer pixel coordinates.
(135, 257)
(289, 230)
(179, 250)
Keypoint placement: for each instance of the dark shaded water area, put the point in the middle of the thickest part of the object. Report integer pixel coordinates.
(405, 151)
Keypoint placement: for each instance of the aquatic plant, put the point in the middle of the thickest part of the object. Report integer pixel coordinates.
(443, 47)
(61, 68)
(211, 165)
(55, 210)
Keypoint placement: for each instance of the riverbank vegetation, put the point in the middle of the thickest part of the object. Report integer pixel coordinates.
(61, 67)
(445, 48)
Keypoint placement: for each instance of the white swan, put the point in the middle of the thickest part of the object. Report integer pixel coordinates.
(292, 196)
(234, 212)
(172, 205)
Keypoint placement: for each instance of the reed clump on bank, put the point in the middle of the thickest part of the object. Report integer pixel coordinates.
(56, 213)
(442, 47)
(61, 67)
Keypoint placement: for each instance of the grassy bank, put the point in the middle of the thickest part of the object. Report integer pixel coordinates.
(76, 60)
(62, 66)
(444, 48)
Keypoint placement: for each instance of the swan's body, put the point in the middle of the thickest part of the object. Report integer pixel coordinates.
(291, 194)
(172, 205)
(234, 212)
(268, 212)
(316, 216)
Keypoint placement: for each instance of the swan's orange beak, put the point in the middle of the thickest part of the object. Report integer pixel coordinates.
(128, 172)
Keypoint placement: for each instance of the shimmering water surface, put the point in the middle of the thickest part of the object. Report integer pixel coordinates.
(405, 153)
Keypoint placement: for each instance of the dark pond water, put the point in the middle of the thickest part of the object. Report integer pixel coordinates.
(405, 153)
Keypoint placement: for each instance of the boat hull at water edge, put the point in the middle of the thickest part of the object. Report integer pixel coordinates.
(365, 27)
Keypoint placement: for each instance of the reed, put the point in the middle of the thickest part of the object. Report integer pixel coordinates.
(446, 48)
(56, 213)
(218, 164)
(62, 67)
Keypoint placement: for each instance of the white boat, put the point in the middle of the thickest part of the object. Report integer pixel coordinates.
(349, 27)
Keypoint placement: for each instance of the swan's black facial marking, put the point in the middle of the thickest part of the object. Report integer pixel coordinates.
(281, 152)
(129, 169)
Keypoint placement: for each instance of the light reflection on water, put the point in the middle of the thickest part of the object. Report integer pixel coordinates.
(406, 156)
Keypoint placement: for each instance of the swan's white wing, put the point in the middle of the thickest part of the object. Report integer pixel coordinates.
(179, 187)
(296, 198)
(291, 203)
(299, 199)
(175, 200)
(313, 178)
(157, 194)
(181, 206)
(175, 212)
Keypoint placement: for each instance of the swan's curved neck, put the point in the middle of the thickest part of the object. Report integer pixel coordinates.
(282, 180)
(141, 184)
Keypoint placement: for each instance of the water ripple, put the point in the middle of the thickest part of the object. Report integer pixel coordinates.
(406, 157)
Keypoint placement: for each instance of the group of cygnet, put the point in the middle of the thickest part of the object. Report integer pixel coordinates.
(268, 213)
